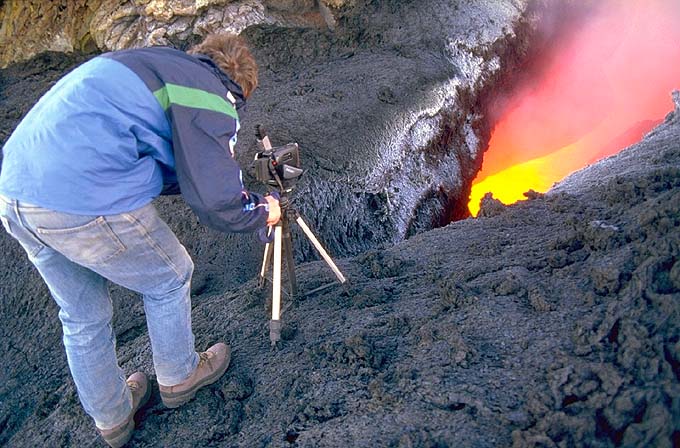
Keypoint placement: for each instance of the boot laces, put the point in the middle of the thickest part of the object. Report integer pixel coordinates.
(204, 357)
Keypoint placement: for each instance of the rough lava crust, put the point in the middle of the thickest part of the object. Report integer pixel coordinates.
(552, 322)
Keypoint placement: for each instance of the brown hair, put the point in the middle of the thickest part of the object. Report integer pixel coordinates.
(230, 52)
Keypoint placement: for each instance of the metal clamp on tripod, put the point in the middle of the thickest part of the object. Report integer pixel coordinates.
(279, 168)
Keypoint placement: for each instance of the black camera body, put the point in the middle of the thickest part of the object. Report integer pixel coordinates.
(278, 167)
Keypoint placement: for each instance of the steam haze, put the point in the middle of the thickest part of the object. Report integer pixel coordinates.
(605, 77)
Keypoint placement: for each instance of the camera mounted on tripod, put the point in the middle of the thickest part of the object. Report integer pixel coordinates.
(277, 167)
(280, 167)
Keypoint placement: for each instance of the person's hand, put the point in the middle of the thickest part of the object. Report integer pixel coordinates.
(274, 210)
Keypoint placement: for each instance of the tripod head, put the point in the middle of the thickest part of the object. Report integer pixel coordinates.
(277, 167)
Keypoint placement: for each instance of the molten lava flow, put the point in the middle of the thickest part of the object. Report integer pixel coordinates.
(604, 86)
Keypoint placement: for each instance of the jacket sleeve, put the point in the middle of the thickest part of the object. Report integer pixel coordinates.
(209, 177)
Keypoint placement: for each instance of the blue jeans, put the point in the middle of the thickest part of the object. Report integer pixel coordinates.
(76, 255)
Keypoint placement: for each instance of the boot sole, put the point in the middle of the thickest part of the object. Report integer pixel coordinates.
(176, 400)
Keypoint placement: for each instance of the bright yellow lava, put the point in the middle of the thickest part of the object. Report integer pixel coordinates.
(509, 185)
(599, 89)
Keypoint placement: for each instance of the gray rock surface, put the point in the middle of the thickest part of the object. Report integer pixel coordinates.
(29, 27)
(553, 322)
(386, 110)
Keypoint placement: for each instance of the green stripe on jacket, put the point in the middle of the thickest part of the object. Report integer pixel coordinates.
(196, 98)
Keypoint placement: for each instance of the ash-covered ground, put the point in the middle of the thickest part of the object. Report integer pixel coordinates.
(553, 322)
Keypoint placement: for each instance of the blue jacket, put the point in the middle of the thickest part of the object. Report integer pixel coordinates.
(127, 126)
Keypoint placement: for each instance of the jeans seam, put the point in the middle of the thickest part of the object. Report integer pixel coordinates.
(64, 231)
(34, 252)
(156, 248)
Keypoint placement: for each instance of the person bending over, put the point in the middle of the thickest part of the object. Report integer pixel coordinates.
(77, 180)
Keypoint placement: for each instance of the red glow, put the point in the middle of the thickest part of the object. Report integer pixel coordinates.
(605, 85)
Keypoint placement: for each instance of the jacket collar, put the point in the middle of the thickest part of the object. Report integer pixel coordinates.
(230, 84)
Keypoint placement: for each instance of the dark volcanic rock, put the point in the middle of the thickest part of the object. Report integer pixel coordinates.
(386, 107)
(386, 110)
(552, 322)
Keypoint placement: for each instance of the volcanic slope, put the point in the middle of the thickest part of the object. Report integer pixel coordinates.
(553, 322)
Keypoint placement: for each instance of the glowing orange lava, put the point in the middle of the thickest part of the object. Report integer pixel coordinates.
(606, 85)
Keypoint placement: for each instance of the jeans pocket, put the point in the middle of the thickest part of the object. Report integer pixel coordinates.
(92, 243)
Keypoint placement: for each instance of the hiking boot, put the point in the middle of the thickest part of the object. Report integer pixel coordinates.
(211, 366)
(120, 435)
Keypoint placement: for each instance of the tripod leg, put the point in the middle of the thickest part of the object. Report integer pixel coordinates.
(322, 251)
(275, 324)
(288, 254)
(266, 262)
